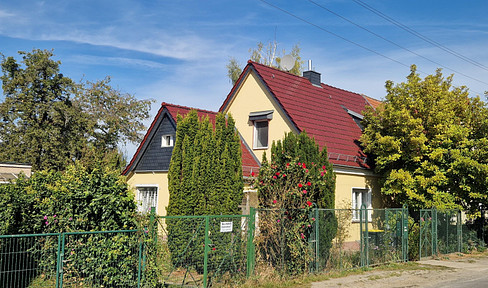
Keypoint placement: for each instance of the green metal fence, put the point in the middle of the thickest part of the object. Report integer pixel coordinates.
(199, 251)
(77, 259)
(203, 250)
(333, 239)
(27, 259)
(446, 231)
(384, 235)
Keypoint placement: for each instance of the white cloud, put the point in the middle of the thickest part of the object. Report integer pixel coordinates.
(5, 14)
(117, 61)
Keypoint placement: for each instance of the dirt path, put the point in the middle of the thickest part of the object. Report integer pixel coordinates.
(457, 271)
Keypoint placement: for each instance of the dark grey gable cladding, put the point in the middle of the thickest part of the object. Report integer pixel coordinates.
(153, 157)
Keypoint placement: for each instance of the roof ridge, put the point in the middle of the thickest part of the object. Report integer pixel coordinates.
(277, 69)
(291, 74)
(189, 108)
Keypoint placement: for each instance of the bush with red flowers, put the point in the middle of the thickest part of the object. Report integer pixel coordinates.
(286, 219)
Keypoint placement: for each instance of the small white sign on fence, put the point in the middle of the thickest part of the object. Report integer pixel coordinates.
(225, 227)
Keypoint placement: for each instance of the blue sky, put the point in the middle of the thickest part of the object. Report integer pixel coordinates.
(176, 51)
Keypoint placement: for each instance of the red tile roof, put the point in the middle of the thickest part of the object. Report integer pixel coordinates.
(249, 161)
(174, 110)
(373, 102)
(317, 110)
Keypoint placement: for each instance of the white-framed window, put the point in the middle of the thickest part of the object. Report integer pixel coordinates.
(361, 196)
(261, 134)
(147, 197)
(167, 141)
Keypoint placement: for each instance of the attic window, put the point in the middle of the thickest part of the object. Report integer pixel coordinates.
(261, 134)
(356, 117)
(167, 141)
(260, 121)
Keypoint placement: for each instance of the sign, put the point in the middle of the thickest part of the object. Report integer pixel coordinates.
(225, 227)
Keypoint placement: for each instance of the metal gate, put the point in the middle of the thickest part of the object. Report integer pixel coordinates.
(201, 250)
(383, 235)
(428, 232)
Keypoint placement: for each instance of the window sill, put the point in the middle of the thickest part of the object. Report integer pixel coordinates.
(358, 221)
(259, 148)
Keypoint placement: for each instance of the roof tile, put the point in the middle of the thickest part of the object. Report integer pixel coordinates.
(319, 111)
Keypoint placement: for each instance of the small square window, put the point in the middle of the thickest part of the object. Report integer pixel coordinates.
(261, 134)
(147, 197)
(167, 141)
(361, 196)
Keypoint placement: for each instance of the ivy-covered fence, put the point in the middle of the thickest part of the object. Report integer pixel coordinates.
(74, 259)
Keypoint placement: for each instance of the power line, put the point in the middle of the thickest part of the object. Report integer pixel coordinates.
(393, 43)
(335, 34)
(417, 34)
(347, 40)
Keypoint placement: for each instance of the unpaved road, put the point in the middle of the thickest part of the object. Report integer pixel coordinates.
(457, 272)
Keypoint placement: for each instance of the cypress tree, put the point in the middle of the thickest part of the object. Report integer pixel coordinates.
(205, 178)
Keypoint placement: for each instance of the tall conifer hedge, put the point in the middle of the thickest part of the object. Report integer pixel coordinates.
(205, 178)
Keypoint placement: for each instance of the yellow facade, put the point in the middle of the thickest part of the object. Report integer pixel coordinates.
(346, 181)
(253, 97)
(152, 179)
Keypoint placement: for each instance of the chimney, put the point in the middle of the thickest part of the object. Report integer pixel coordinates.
(312, 76)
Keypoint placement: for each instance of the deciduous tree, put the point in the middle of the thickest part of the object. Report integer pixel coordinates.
(47, 120)
(429, 143)
(269, 56)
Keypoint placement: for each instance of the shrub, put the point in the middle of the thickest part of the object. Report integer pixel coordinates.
(298, 178)
(78, 199)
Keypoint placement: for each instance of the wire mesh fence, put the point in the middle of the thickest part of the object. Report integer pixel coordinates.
(200, 251)
(28, 259)
(77, 259)
(449, 231)
(102, 259)
(203, 250)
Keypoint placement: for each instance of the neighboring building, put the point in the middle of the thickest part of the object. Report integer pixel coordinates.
(266, 103)
(147, 172)
(10, 171)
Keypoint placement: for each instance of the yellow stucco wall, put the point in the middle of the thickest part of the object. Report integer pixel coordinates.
(251, 97)
(158, 179)
(346, 180)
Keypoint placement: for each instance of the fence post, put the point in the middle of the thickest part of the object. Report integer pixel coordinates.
(206, 250)
(251, 256)
(459, 231)
(405, 233)
(434, 231)
(58, 260)
(363, 224)
(59, 266)
(139, 270)
(317, 240)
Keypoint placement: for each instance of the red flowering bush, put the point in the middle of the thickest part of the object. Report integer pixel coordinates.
(286, 219)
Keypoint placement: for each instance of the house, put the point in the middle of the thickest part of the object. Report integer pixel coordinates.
(10, 171)
(266, 103)
(147, 172)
